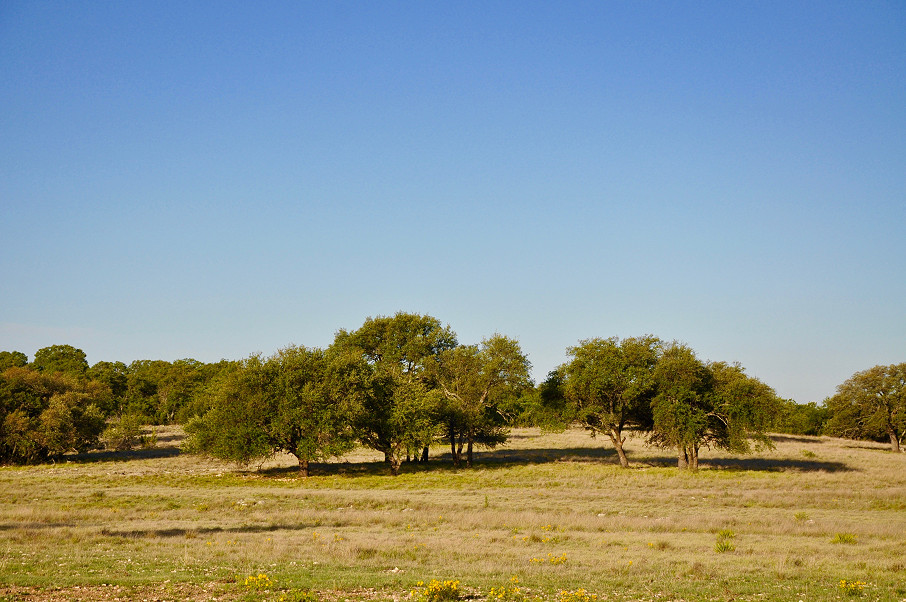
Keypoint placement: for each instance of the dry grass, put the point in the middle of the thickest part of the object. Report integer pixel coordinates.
(152, 520)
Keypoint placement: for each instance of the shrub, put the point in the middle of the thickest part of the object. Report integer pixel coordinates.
(125, 433)
(437, 591)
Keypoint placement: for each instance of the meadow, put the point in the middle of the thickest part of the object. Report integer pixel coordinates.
(550, 516)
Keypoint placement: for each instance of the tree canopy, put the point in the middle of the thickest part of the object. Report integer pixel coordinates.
(476, 380)
(394, 403)
(611, 384)
(871, 404)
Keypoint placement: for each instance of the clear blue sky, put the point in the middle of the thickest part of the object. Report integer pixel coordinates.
(213, 179)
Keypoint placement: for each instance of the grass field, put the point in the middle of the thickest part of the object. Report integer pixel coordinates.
(815, 519)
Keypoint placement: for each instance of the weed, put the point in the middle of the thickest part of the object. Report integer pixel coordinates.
(723, 545)
(852, 588)
(801, 516)
(437, 591)
(508, 593)
(579, 595)
(844, 538)
(258, 582)
(725, 534)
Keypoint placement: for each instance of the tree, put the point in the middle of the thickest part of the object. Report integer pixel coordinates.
(872, 404)
(262, 407)
(476, 381)
(234, 428)
(61, 358)
(742, 409)
(115, 376)
(47, 414)
(611, 383)
(382, 375)
(712, 405)
(680, 408)
(801, 418)
(10, 359)
(310, 421)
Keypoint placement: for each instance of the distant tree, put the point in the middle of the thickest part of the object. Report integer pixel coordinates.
(801, 418)
(383, 377)
(46, 414)
(545, 406)
(177, 385)
(262, 407)
(871, 404)
(713, 405)
(476, 381)
(12, 359)
(116, 376)
(610, 384)
(61, 358)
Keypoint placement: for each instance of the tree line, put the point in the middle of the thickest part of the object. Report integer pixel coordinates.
(403, 384)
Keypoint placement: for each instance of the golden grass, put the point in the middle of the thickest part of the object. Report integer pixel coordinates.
(646, 533)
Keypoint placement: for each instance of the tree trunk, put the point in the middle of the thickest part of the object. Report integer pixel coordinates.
(682, 459)
(303, 467)
(618, 442)
(693, 457)
(425, 454)
(894, 441)
(387, 457)
(453, 447)
(395, 463)
(469, 454)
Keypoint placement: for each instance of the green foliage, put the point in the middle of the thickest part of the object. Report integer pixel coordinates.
(283, 403)
(115, 376)
(871, 404)
(12, 359)
(46, 414)
(125, 432)
(167, 392)
(60, 358)
(715, 405)
(844, 538)
(380, 371)
(477, 381)
(543, 406)
(801, 418)
(724, 541)
(611, 384)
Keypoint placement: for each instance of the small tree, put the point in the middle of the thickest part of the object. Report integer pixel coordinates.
(475, 381)
(871, 404)
(680, 408)
(713, 405)
(266, 406)
(610, 383)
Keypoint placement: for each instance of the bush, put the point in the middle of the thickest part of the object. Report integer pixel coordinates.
(126, 432)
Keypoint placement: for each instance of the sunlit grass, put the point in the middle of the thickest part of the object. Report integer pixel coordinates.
(552, 510)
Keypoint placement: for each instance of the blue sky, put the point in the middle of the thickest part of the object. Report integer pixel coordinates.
(213, 179)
